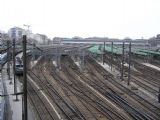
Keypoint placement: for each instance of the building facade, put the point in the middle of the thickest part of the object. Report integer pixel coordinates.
(3, 38)
(16, 33)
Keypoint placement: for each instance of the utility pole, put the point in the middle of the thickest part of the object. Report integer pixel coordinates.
(34, 49)
(129, 64)
(28, 26)
(8, 60)
(104, 52)
(15, 83)
(83, 59)
(25, 78)
(57, 56)
(122, 66)
(60, 50)
(111, 56)
(159, 95)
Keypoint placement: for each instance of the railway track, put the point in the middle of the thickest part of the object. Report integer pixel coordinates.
(143, 79)
(140, 83)
(38, 104)
(74, 101)
(148, 73)
(83, 98)
(62, 106)
(137, 80)
(88, 109)
(136, 63)
(36, 99)
(144, 104)
(140, 78)
(143, 115)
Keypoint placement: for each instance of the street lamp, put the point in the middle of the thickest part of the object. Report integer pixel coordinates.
(28, 26)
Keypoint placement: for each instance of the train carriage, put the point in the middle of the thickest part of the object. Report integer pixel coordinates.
(18, 66)
(3, 58)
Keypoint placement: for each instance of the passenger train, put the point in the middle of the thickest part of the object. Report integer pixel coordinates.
(18, 63)
(3, 58)
(18, 66)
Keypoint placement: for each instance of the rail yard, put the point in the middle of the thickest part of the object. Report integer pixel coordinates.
(82, 86)
(79, 60)
(93, 82)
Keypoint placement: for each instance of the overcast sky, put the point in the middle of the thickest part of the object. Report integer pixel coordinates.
(85, 18)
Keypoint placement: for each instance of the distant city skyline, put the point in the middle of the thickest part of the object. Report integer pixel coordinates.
(84, 18)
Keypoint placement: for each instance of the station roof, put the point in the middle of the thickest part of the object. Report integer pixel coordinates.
(149, 52)
(95, 49)
(118, 50)
(99, 48)
(139, 53)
